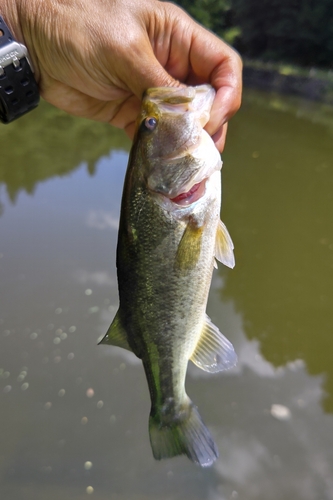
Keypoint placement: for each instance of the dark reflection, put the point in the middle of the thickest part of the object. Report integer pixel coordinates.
(50, 143)
(278, 180)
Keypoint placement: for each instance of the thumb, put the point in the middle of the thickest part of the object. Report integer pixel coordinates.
(143, 71)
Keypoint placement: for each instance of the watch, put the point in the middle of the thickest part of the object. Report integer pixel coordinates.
(19, 91)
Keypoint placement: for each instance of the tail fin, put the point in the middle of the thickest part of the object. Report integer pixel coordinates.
(188, 436)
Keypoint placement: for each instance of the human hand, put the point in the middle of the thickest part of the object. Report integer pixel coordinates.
(96, 58)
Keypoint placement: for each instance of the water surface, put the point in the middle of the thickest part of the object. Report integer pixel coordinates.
(74, 415)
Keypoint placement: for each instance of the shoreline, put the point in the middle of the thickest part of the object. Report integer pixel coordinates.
(289, 81)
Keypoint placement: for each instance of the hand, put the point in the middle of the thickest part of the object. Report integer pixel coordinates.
(96, 58)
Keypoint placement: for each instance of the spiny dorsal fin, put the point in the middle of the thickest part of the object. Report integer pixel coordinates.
(213, 353)
(189, 248)
(224, 248)
(116, 334)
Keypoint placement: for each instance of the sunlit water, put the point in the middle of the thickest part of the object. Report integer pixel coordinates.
(74, 415)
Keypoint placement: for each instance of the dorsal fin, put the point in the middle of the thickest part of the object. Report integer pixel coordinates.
(116, 334)
(224, 247)
(213, 353)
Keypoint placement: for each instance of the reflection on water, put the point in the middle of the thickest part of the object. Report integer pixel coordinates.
(51, 143)
(279, 196)
(74, 415)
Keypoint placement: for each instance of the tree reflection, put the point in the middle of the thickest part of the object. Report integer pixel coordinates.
(49, 143)
(278, 191)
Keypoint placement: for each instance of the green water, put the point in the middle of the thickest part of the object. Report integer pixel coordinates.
(74, 415)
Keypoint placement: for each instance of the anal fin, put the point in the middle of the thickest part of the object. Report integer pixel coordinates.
(214, 352)
(224, 248)
(116, 334)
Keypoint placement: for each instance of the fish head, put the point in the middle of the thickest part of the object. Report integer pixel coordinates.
(177, 153)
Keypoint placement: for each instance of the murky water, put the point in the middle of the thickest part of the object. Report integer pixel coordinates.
(74, 415)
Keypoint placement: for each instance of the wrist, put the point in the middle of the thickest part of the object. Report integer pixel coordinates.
(9, 12)
(18, 89)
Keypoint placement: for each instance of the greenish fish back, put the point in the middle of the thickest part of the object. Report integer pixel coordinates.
(186, 436)
(214, 352)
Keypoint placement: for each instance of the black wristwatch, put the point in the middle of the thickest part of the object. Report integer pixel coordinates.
(18, 88)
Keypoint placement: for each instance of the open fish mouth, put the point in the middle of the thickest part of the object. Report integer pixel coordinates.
(192, 195)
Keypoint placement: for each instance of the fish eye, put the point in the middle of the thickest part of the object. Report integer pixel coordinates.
(150, 123)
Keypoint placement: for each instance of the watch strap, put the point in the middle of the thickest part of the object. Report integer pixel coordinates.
(19, 91)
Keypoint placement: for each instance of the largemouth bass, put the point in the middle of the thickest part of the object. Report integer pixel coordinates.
(170, 236)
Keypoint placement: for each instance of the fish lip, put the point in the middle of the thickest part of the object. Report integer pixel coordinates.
(185, 198)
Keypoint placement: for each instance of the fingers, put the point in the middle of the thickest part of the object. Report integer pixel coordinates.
(142, 70)
(214, 61)
(220, 136)
(196, 56)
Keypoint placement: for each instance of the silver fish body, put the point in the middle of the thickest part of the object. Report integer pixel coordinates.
(170, 234)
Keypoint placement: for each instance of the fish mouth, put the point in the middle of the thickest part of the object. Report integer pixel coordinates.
(192, 195)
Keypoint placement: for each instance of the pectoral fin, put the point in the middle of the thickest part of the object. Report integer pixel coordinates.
(224, 248)
(189, 248)
(116, 334)
(213, 353)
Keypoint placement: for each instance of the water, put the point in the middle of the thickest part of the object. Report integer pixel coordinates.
(74, 415)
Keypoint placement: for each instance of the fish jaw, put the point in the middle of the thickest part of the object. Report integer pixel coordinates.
(198, 205)
(177, 152)
(181, 173)
(192, 195)
(198, 100)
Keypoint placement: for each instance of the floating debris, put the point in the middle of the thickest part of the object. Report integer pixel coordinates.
(61, 393)
(88, 465)
(88, 291)
(90, 393)
(22, 376)
(90, 490)
(100, 404)
(93, 309)
(280, 412)
(47, 405)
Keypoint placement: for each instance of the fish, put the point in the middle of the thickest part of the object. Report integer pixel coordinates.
(170, 237)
